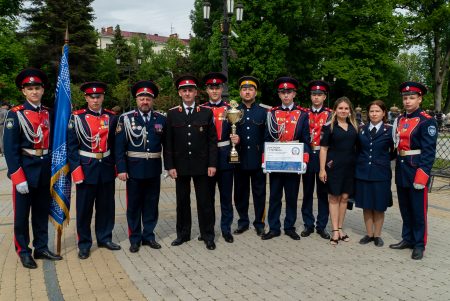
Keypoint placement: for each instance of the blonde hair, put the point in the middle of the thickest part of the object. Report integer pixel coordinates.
(351, 118)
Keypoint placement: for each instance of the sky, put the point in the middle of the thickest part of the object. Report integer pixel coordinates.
(162, 17)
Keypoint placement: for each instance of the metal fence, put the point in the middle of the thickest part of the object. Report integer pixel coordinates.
(441, 167)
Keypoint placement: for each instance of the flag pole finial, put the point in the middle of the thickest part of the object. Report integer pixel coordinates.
(66, 37)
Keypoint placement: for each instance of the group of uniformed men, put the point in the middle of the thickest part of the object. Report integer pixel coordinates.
(194, 140)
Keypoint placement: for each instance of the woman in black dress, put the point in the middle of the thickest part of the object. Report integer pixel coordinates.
(337, 163)
(373, 171)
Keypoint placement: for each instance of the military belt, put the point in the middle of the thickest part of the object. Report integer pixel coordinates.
(409, 152)
(34, 152)
(223, 143)
(94, 155)
(315, 148)
(144, 155)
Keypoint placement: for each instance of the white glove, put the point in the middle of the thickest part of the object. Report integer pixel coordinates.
(418, 186)
(304, 166)
(22, 188)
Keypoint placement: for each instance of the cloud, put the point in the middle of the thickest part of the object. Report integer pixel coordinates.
(145, 16)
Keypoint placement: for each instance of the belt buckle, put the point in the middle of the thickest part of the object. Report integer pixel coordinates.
(402, 153)
(98, 155)
(38, 152)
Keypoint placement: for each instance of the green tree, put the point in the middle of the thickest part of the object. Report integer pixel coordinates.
(10, 8)
(12, 60)
(429, 25)
(48, 20)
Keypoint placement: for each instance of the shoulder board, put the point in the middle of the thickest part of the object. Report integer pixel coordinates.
(175, 108)
(387, 125)
(18, 108)
(127, 113)
(160, 113)
(110, 112)
(302, 108)
(424, 114)
(267, 107)
(78, 112)
(275, 108)
(327, 109)
(47, 108)
(205, 104)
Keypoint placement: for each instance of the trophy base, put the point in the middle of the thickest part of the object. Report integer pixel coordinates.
(233, 160)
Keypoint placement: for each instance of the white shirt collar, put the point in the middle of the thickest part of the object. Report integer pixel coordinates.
(377, 126)
(315, 110)
(289, 107)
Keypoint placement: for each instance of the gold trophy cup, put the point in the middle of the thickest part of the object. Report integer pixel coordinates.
(234, 116)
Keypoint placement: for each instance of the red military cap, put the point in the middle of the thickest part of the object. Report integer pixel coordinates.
(286, 83)
(31, 77)
(186, 80)
(145, 87)
(214, 79)
(93, 88)
(318, 87)
(248, 81)
(409, 88)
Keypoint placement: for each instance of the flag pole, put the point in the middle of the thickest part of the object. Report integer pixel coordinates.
(59, 229)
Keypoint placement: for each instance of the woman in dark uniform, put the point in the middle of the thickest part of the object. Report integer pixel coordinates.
(337, 163)
(373, 171)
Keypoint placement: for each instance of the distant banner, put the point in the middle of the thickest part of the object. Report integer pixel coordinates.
(284, 157)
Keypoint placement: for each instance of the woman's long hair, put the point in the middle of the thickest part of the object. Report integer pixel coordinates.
(351, 118)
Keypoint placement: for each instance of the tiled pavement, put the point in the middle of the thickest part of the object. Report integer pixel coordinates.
(248, 269)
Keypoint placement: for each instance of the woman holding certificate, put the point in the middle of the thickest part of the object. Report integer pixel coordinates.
(337, 163)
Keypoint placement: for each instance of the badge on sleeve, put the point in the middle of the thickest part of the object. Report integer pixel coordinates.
(9, 123)
(71, 125)
(432, 130)
(119, 128)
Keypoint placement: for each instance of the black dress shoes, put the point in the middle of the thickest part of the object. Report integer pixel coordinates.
(210, 245)
(417, 254)
(401, 245)
(151, 243)
(134, 248)
(46, 254)
(109, 245)
(378, 241)
(28, 261)
(179, 241)
(292, 234)
(228, 237)
(366, 239)
(323, 233)
(240, 230)
(84, 253)
(259, 231)
(269, 235)
(307, 232)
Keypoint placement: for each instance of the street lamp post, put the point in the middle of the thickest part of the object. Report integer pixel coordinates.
(129, 68)
(228, 10)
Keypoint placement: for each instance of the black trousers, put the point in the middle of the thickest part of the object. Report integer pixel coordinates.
(205, 207)
(142, 208)
(37, 201)
(102, 195)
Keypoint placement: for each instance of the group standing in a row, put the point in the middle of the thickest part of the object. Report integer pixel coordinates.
(195, 140)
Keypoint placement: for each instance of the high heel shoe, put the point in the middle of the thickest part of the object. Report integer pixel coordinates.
(343, 238)
(334, 242)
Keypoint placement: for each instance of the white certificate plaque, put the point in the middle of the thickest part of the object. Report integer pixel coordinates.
(284, 157)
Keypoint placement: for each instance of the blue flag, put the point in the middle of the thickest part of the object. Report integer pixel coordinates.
(60, 183)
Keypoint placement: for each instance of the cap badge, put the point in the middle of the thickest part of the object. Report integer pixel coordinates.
(285, 85)
(318, 88)
(94, 89)
(31, 79)
(145, 89)
(214, 81)
(187, 81)
(407, 88)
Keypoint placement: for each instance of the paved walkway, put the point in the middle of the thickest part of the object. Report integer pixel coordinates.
(248, 269)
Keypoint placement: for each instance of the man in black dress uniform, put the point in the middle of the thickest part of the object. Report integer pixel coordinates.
(139, 138)
(191, 152)
(26, 145)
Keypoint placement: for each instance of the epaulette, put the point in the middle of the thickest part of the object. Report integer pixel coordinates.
(160, 113)
(47, 108)
(175, 108)
(327, 109)
(267, 107)
(424, 114)
(18, 108)
(387, 125)
(78, 112)
(275, 108)
(299, 107)
(110, 112)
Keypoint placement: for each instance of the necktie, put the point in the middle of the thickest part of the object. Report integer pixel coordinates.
(373, 131)
(145, 115)
(189, 111)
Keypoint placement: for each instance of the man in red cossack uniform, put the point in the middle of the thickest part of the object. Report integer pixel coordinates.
(415, 135)
(90, 141)
(286, 123)
(318, 116)
(27, 143)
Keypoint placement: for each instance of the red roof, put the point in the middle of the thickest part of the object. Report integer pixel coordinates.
(151, 37)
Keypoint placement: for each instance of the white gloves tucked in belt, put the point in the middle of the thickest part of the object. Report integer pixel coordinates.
(22, 188)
